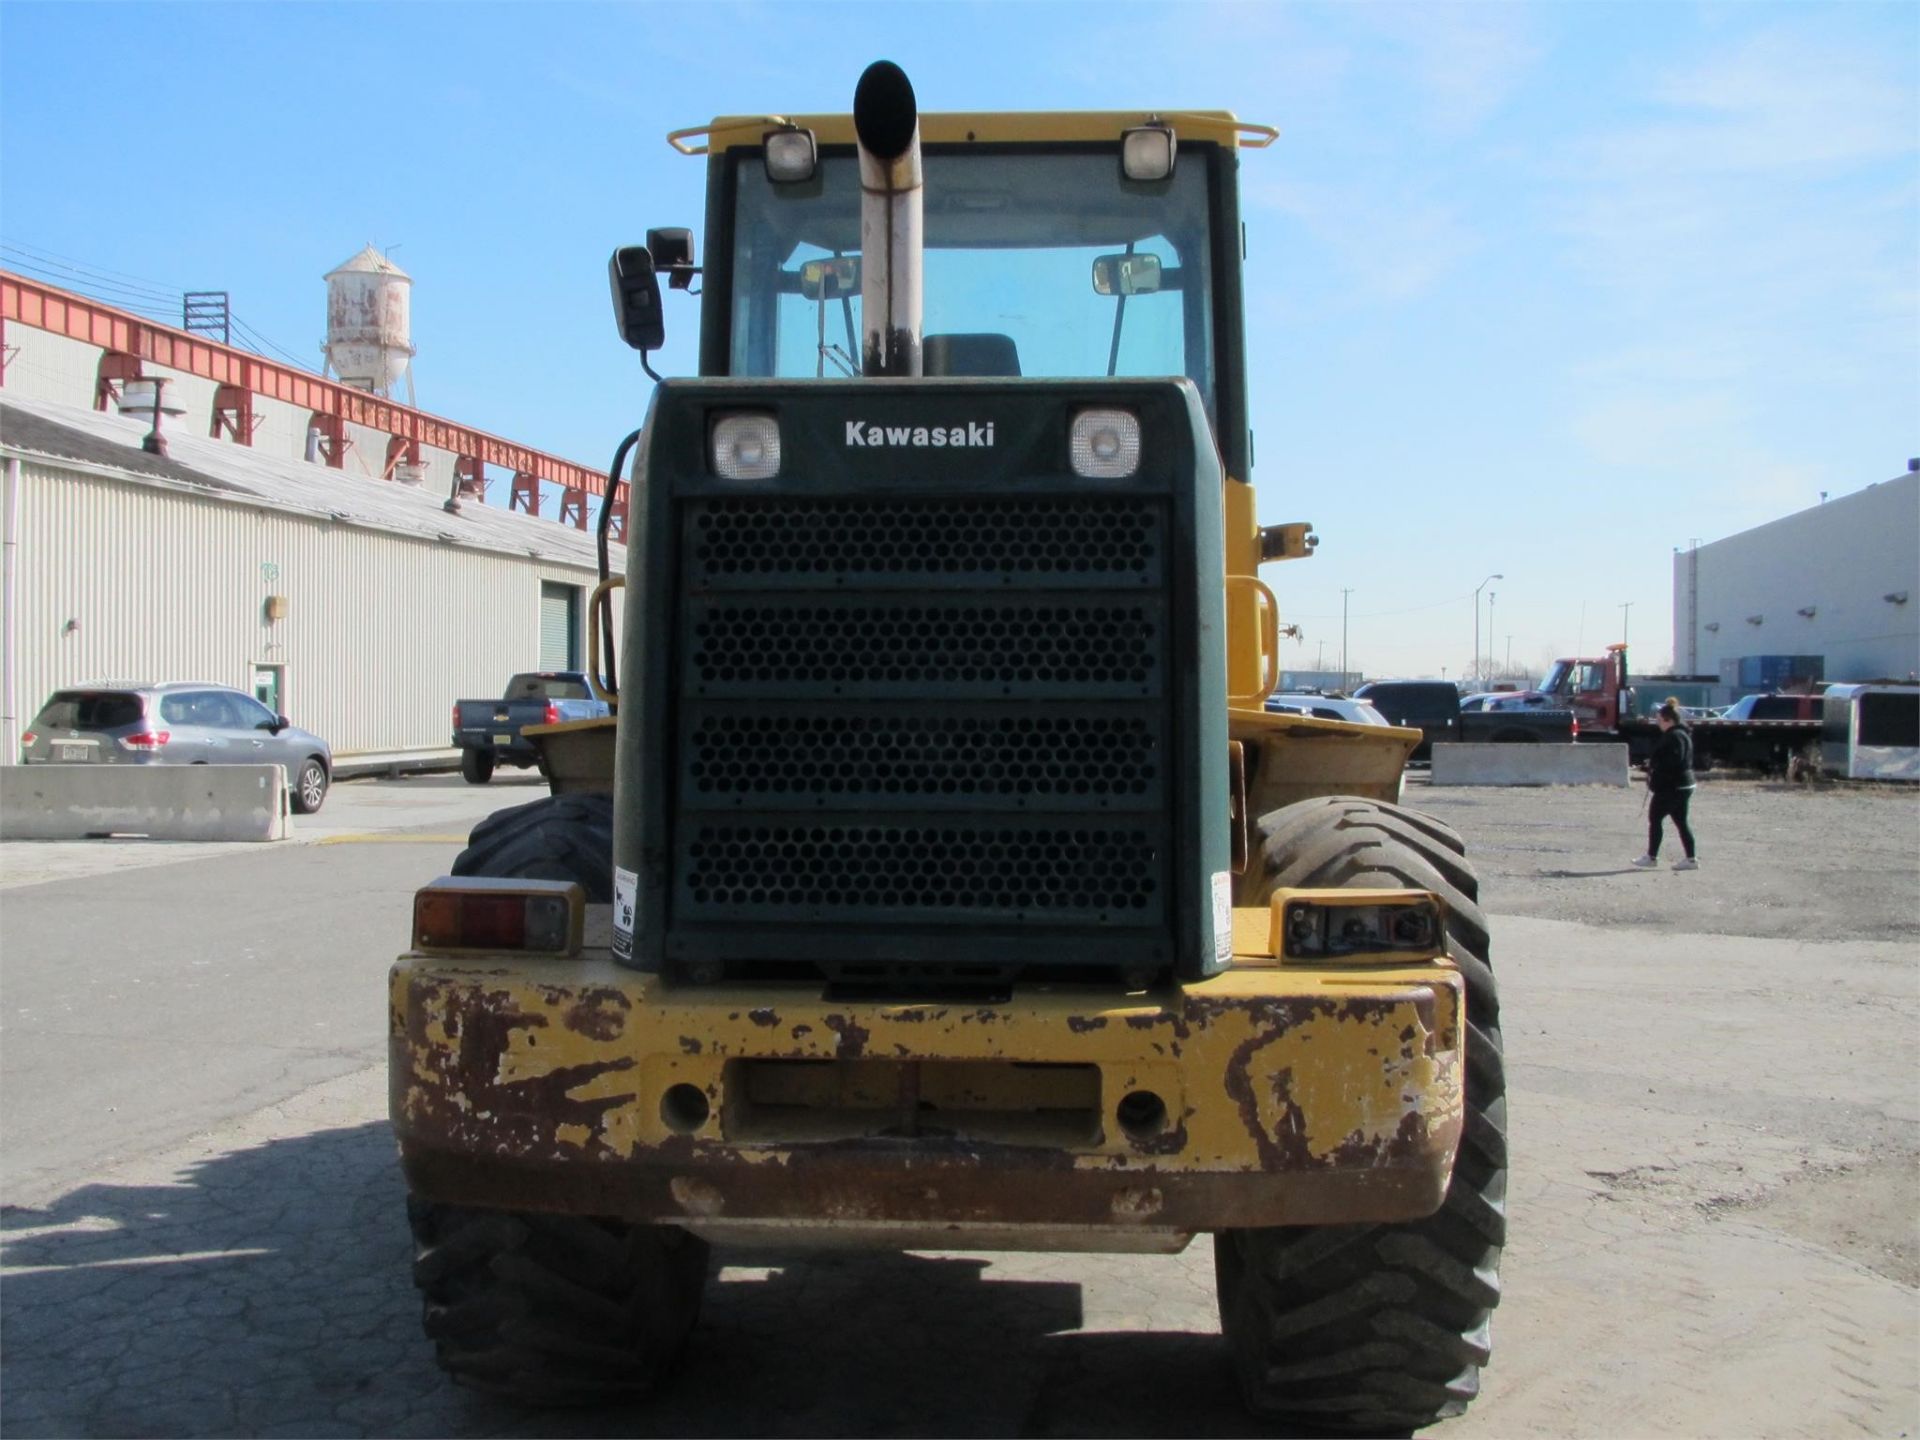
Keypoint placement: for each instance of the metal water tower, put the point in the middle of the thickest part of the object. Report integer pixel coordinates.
(370, 323)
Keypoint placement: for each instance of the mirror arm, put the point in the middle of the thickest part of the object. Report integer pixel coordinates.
(1119, 314)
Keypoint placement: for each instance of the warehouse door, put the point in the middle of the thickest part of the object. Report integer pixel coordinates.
(559, 626)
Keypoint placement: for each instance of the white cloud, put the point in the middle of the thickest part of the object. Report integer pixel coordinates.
(1394, 244)
(1465, 60)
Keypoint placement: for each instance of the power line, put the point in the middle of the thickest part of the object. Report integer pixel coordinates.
(164, 306)
(50, 262)
(53, 255)
(262, 341)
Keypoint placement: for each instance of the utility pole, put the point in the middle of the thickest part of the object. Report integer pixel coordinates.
(1489, 665)
(1509, 655)
(1623, 621)
(1344, 672)
(1476, 616)
(1320, 656)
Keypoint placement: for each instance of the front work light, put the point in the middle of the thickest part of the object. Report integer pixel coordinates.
(746, 447)
(792, 155)
(1357, 927)
(474, 912)
(1147, 153)
(1105, 444)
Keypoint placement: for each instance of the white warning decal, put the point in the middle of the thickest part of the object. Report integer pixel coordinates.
(626, 890)
(1222, 916)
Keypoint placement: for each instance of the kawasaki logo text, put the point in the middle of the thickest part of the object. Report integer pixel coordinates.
(882, 437)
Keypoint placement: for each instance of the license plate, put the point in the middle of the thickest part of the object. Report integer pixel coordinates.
(503, 739)
(73, 752)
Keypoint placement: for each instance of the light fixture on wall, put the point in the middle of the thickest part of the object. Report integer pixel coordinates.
(1895, 597)
(1805, 612)
(1712, 627)
(1754, 619)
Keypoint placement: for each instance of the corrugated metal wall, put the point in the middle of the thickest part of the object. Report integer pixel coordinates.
(123, 580)
(1841, 560)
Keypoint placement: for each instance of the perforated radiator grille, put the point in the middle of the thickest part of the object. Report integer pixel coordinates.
(935, 717)
(1034, 542)
(996, 758)
(909, 647)
(976, 872)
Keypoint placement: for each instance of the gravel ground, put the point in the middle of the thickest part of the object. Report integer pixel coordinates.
(1777, 860)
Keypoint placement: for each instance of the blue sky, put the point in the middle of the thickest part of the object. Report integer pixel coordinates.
(1540, 290)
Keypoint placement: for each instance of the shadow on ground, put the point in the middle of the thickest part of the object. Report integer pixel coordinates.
(267, 1293)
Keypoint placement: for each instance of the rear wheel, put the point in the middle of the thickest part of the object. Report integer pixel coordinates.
(1379, 1327)
(555, 1309)
(476, 766)
(563, 837)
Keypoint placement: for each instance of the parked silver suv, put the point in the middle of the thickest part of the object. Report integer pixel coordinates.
(176, 725)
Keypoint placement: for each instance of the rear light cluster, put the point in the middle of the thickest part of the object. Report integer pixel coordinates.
(469, 912)
(145, 739)
(1576, 727)
(28, 738)
(553, 713)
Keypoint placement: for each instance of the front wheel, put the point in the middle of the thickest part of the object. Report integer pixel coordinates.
(1345, 1328)
(555, 1309)
(309, 787)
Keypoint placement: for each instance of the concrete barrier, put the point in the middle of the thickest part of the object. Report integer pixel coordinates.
(161, 802)
(1529, 765)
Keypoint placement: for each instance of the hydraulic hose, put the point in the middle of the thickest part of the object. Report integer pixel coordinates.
(606, 525)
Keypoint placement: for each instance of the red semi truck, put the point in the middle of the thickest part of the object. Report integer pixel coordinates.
(1601, 696)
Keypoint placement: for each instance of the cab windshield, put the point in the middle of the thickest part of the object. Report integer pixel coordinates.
(1038, 264)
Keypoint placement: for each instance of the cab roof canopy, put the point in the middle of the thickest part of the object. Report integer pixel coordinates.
(729, 132)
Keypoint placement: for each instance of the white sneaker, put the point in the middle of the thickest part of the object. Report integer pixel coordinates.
(1645, 862)
(1687, 864)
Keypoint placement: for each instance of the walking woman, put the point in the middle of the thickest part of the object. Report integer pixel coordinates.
(1670, 784)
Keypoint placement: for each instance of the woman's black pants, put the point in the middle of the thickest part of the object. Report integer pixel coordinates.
(1665, 803)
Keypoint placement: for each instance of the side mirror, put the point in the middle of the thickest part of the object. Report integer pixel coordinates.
(636, 298)
(672, 251)
(1126, 274)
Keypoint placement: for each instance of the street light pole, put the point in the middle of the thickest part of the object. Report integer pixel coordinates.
(1623, 620)
(1476, 615)
(1343, 637)
(1490, 598)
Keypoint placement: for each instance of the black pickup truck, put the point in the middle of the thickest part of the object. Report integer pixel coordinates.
(487, 732)
(1433, 708)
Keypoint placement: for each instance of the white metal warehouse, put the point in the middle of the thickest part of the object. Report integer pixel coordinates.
(359, 606)
(1840, 581)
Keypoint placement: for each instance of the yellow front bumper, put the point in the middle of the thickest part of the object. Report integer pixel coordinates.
(1263, 1096)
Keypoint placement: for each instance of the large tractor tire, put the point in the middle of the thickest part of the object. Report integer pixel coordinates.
(1379, 1328)
(563, 837)
(555, 1309)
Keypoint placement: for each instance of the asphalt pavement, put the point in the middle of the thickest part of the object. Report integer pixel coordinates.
(1712, 1113)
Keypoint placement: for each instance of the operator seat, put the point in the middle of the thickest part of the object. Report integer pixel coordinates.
(982, 354)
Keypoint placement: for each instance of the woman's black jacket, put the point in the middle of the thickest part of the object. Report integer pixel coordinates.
(1671, 766)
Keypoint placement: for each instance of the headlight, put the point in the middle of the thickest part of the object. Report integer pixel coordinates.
(1105, 444)
(791, 156)
(1147, 153)
(746, 447)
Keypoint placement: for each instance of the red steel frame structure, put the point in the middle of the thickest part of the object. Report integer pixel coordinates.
(127, 341)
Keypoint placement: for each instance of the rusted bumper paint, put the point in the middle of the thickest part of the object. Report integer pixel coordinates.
(1263, 1096)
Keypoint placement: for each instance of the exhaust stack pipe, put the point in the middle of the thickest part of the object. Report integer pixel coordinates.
(886, 121)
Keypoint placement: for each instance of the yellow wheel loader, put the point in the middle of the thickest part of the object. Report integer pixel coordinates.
(943, 881)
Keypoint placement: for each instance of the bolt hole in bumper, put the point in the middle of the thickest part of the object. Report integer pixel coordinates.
(1067, 1117)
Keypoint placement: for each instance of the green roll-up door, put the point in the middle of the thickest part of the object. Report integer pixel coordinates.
(559, 626)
